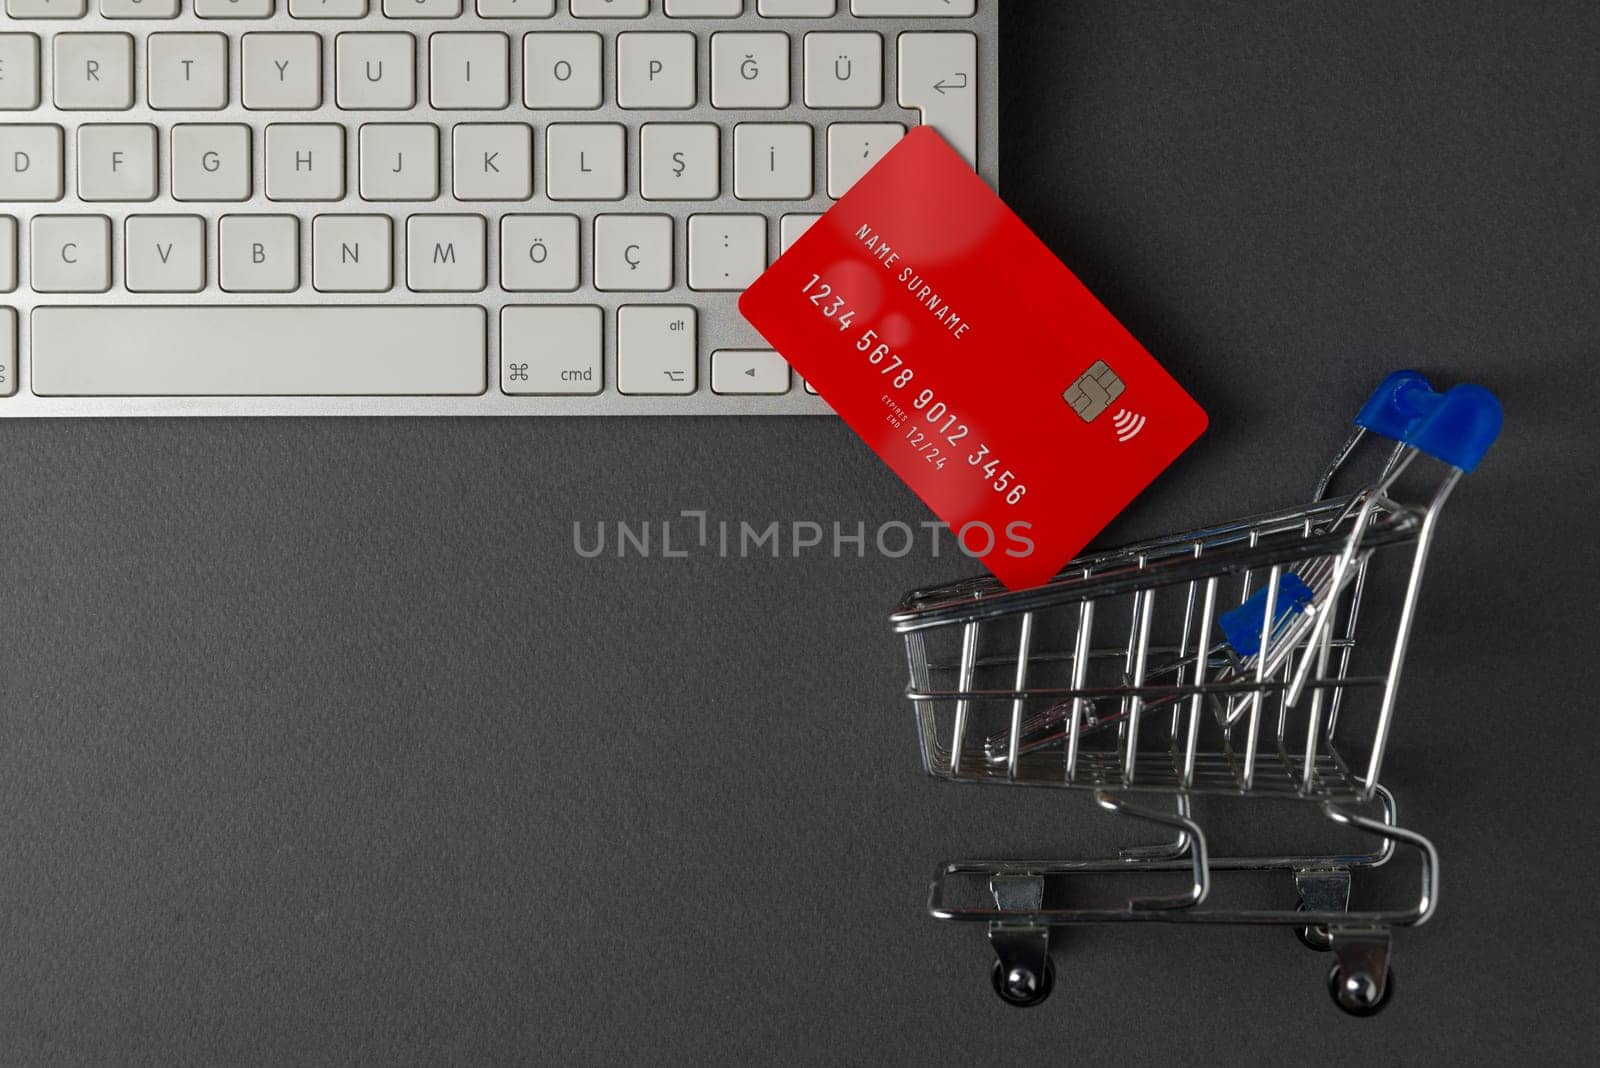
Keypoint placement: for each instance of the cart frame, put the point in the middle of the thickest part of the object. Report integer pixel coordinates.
(1287, 647)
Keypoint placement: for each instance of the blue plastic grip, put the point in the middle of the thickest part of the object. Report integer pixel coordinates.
(1456, 426)
(1242, 626)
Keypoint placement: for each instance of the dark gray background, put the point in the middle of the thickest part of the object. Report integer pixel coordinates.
(318, 742)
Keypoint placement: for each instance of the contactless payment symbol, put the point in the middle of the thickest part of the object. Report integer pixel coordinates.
(1127, 424)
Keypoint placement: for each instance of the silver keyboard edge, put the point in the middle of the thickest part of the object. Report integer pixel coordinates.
(721, 325)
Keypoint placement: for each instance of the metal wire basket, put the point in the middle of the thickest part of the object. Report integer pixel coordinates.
(1256, 659)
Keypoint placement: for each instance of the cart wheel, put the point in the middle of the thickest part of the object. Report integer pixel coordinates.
(1314, 936)
(1021, 988)
(1360, 995)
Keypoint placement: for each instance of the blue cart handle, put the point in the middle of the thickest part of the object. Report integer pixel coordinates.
(1456, 426)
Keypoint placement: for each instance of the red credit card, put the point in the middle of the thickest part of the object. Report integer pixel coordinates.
(974, 363)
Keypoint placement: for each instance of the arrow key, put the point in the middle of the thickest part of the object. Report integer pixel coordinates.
(749, 371)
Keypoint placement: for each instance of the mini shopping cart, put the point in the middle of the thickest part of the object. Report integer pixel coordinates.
(1231, 661)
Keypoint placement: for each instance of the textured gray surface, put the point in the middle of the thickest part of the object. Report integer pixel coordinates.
(320, 744)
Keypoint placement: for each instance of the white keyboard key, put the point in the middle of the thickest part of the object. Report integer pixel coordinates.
(704, 9)
(750, 70)
(772, 161)
(19, 72)
(951, 9)
(30, 163)
(749, 371)
(164, 254)
(421, 9)
(351, 254)
(233, 9)
(585, 161)
(278, 351)
(561, 71)
(139, 9)
(656, 349)
(328, 9)
(791, 228)
(680, 161)
(516, 9)
(375, 71)
(633, 253)
(445, 254)
(47, 9)
(726, 252)
(939, 78)
(854, 148)
(282, 71)
(71, 253)
(798, 9)
(492, 161)
(552, 349)
(210, 162)
(259, 253)
(610, 9)
(8, 254)
(305, 161)
(539, 253)
(116, 162)
(399, 161)
(656, 70)
(188, 71)
(469, 71)
(844, 70)
(8, 352)
(93, 71)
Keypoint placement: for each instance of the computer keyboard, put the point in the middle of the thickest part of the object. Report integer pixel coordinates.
(439, 207)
